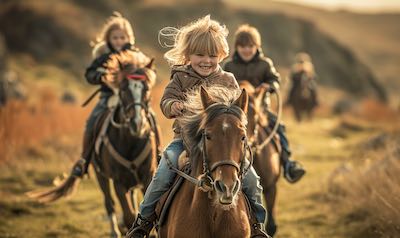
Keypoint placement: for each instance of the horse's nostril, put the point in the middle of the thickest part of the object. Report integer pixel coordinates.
(236, 187)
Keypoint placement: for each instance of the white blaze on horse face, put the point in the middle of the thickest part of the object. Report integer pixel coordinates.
(136, 88)
(225, 126)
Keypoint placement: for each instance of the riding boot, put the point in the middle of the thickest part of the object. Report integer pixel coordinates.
(258, 231)
(81, 166)
(292, 170)
(141, 227)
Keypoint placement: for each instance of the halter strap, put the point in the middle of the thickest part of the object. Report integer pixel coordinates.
(225, 162)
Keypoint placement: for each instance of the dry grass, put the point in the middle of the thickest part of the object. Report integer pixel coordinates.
(368, 194)
(24, 125)
(373, 110)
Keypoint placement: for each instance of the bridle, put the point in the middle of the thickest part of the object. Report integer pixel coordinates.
(206, 181)
(126, 119)
(253, 140)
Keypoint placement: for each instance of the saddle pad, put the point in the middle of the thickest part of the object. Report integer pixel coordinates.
(167, 198)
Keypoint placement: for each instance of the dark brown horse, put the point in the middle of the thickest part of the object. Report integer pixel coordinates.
(266, 155)
(302, 95)
(125, 150)
(216, 138)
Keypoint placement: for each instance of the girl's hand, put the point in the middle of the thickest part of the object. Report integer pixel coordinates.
(177, 108)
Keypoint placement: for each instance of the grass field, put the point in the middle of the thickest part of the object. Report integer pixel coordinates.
(304, 209)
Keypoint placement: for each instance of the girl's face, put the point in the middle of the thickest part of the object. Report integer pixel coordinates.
(118, 38)
(247, 52)
(204, 64)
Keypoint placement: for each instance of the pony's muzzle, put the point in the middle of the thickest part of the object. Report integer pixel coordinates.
(226, 193)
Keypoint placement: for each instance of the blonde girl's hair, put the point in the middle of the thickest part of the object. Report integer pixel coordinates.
(203, 36)
(114, 22)
(247, 35)
(303, 63)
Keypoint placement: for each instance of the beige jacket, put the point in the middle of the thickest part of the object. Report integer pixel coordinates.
(184, 78)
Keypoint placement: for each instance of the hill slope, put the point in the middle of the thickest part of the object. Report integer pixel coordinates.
(63, 41)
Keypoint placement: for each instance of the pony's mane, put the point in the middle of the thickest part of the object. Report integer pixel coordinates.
(195, 117)
(127, 60)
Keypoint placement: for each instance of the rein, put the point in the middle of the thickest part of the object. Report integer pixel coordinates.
(253, 139)
(126, 120)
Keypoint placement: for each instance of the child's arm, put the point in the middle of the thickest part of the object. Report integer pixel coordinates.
(272, 76)
(96, 70)
(173, 93)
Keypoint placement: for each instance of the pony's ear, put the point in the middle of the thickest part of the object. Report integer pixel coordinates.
(205, 98)
(260, 92)
(242, 101)
(150, 65)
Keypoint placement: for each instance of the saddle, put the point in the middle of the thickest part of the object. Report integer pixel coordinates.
(100, 139)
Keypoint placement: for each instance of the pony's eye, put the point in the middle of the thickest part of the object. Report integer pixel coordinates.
(243, 138)
(208, 137)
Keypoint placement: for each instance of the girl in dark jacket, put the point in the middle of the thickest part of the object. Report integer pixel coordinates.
(115, 36)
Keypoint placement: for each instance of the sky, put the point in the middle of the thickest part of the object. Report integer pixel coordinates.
(353, 5)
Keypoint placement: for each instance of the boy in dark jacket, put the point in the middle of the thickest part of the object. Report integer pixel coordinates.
(249, 63)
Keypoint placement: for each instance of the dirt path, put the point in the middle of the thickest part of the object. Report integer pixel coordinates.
(302, 210)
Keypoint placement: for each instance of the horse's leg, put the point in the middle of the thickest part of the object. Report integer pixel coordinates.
(135, 206)
(297, 113)
(270, 172)
(310, 113)
(270, 198)
(123, 195)
(104, 183)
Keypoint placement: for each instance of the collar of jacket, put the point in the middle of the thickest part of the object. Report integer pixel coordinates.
(189, 70)
(236, 57)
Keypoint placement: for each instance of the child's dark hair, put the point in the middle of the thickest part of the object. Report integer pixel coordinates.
(247, 35)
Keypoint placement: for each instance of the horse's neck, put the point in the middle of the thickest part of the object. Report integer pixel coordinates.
(121, 137)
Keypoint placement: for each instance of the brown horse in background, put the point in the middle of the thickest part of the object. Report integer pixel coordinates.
(302, 98)
(125, 146)
(266, 159)
(216, 140)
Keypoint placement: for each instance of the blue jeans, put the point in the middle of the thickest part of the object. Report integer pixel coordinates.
(164, 178)
(281, 131)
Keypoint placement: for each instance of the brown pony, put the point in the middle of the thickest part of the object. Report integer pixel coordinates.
(266, 158)
(125, 150)
(216, 140)
(302, 98)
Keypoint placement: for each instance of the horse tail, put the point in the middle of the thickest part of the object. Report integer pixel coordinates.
(65, 188)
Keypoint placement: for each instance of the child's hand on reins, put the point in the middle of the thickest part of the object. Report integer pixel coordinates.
(177, 108)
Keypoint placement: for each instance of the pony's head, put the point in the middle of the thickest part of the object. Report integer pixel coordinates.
(132, 81)
(255, 115)
(215, 132)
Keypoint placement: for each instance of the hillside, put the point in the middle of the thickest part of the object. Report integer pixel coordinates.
(64, 41)
(373, 38)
